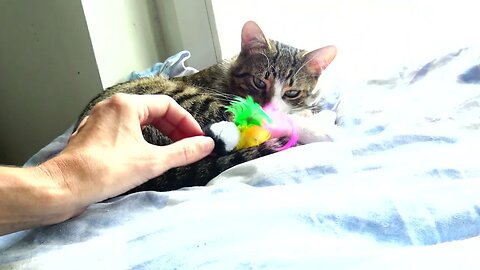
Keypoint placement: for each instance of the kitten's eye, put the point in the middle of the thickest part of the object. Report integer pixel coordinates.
(259, 83)
(292, 93)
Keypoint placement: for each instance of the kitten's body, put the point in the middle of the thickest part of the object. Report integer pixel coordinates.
(269, 71)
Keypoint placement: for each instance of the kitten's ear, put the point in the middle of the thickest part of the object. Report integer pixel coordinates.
(319, 59)
(253, 38)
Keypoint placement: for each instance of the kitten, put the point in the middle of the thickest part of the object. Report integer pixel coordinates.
(267, 70)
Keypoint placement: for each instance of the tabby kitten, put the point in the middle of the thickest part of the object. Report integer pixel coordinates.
(267, 70)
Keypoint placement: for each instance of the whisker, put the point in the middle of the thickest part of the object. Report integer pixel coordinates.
(227, 97)
(302, 66)
(268, 60)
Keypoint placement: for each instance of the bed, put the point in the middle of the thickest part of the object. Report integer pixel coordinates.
(400, 189)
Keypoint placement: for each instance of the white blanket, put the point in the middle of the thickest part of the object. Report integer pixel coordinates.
(400, 190)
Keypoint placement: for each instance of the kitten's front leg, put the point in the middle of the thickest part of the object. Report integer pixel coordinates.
(317, 127)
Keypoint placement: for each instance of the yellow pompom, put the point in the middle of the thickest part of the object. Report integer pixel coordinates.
(252, 136)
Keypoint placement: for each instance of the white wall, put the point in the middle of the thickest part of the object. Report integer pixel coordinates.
(126, 36)
(187, 25)
(47, 73)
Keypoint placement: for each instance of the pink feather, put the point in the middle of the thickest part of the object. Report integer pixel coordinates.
(281, 126)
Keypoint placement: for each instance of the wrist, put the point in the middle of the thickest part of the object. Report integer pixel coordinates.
(79, 177)
(32, 197)
(62, 199)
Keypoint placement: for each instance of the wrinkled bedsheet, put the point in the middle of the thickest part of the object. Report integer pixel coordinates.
(400, 189)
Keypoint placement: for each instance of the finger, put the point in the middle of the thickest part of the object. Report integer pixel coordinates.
(177, 131)
(168, 116)
(184, 152)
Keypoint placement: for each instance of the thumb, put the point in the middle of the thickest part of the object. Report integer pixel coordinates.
(186, 151)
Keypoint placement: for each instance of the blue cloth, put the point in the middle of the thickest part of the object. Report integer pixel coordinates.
(174, 66)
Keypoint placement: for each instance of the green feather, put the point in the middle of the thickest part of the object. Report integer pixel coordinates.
(247, 112)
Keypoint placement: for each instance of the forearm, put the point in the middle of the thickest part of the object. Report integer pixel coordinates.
(32, 197)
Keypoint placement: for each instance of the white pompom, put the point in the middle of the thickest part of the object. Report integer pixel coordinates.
(228, 133)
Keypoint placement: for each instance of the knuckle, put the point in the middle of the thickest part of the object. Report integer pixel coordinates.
(119, 99)
(121, 102)
(97, 108)
(118, 102)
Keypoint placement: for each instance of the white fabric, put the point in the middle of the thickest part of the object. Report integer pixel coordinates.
(400, 190)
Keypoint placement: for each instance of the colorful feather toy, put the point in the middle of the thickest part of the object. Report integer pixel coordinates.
(252, 125)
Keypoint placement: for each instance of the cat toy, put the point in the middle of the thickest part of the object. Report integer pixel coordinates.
(252, 125)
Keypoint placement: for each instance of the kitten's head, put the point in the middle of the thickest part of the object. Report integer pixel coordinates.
(272, 72)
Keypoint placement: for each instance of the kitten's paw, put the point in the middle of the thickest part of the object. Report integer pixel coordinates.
(327, 133)
(318, 128)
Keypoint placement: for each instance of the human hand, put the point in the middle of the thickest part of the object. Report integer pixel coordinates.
(105, 157)
(108, 155)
